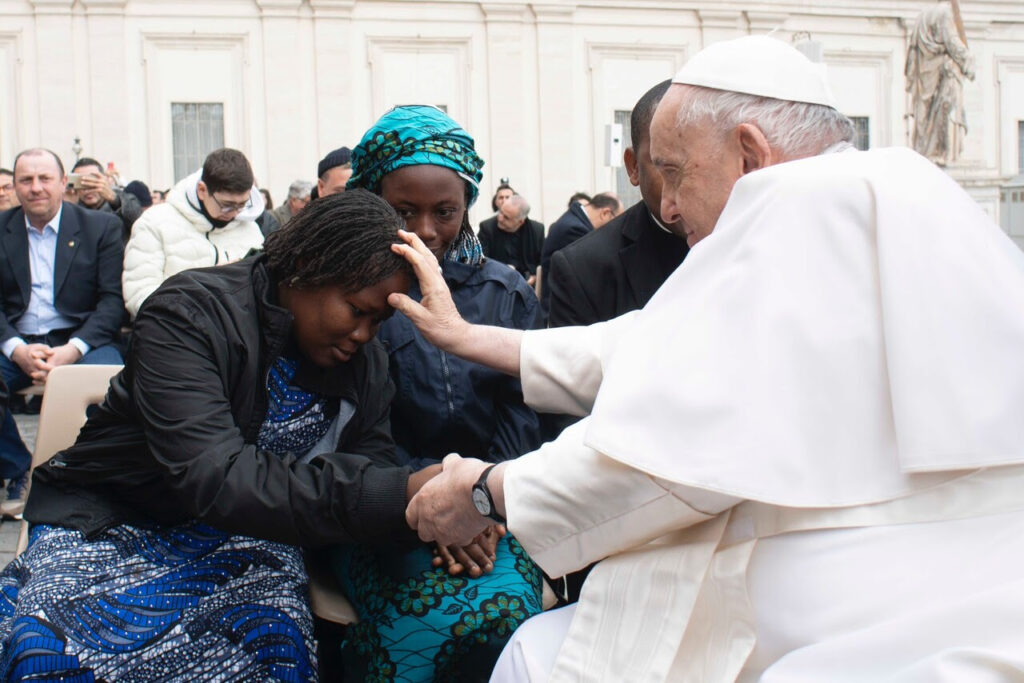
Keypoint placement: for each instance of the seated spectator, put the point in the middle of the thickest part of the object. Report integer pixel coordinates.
(60, 294)
(268, 202)
(208, 220)
(579, 220)
(503, 192)
(512, 238)
(141, 192)
(8, 200)
(159, 196)
(251, 417)
(99, 192)
(333, 173)
(423, 164)
(298, 197)
(581, 198)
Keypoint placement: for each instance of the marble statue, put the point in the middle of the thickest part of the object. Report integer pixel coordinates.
(937, 62)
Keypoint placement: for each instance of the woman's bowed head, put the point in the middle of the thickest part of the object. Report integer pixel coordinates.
(335, 273)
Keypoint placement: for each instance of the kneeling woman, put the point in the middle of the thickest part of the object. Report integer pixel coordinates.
(252, 416)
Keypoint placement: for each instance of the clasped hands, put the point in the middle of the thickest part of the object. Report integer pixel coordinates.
(36, 360)
(442, 511)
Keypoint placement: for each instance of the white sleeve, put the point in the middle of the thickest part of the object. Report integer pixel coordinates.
(569, 505)
(144, 260)
(561, 368)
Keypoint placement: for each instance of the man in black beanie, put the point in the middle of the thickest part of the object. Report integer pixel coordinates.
(333, 172)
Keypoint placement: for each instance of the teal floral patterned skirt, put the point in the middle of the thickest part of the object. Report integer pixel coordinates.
(418, 623)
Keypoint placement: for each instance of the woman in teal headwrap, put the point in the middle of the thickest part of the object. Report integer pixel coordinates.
(418, 622)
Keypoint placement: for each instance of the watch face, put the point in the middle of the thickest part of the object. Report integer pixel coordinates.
(480, 502)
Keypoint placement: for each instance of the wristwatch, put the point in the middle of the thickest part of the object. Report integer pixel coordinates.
(483, 501)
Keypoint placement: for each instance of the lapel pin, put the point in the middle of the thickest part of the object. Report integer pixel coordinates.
(71, 243)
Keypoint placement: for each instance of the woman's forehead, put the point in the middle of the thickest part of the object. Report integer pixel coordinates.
(422, 178)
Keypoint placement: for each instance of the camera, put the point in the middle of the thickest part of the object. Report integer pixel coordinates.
(75, 181)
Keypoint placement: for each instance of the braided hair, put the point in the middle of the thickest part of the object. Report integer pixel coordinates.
(342, 240)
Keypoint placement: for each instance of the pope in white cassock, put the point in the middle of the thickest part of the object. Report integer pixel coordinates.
(803, 458)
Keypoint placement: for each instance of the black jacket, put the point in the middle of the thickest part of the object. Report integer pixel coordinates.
(613, 270)
(571, 226)
(86, 273)
(174, 438)
(520, 249)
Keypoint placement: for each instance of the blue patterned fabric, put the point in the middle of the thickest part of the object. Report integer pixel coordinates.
(175, 603)
(418, 623)
(296, 420)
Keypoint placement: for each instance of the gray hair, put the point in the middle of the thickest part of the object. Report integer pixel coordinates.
(300, 189)
(517, 201)
(796, 129)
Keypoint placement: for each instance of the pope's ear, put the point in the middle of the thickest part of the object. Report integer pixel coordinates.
(632, 166)
(754, 148)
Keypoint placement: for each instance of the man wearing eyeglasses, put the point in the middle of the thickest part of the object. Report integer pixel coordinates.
(208, 219)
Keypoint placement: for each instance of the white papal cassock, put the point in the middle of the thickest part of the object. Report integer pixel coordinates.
(803, 461)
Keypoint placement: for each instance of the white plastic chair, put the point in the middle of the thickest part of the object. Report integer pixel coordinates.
(68, 393)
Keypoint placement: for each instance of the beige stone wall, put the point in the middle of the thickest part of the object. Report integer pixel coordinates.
(534, 82)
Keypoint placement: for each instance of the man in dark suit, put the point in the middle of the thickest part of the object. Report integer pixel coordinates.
(60, 292)
(618, 268)
(512, 238)
(580, 220)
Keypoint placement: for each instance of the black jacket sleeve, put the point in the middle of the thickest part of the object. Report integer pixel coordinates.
(179, 386)
(104, 324)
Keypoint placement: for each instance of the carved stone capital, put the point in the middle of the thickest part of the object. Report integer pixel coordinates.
(554, 11)
(505, 12)
(337, 9)
(52, 6)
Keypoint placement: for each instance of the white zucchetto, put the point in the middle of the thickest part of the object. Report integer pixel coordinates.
(759, 65)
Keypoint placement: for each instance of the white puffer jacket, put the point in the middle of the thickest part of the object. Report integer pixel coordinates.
(174, 236)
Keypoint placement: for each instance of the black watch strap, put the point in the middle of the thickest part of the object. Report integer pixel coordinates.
(480, 489)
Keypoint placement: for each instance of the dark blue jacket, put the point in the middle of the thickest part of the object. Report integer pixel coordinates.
(444, 404)
(572, 225)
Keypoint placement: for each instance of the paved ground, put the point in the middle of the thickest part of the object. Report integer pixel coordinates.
(10, 528)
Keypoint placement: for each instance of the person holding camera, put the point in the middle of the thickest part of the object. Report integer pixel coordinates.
(99, 191)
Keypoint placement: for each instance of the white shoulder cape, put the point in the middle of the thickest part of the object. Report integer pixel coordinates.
(851, 331)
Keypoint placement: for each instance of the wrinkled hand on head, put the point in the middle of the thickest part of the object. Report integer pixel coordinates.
(435, 315)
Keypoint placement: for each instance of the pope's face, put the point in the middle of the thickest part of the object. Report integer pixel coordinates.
(697, 166)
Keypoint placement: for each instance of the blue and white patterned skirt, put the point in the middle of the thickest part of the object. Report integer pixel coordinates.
(135, 604)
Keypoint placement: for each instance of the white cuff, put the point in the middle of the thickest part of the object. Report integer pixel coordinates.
(82, 347)
(11, 344)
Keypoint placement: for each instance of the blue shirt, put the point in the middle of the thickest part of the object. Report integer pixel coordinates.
(42, 316)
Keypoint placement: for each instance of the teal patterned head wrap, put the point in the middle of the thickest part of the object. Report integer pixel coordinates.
(421, 135)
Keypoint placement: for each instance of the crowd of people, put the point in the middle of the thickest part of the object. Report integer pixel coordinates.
(736, 425)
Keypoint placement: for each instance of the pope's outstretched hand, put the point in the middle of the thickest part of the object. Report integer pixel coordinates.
(435, 314)
(443, 510)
